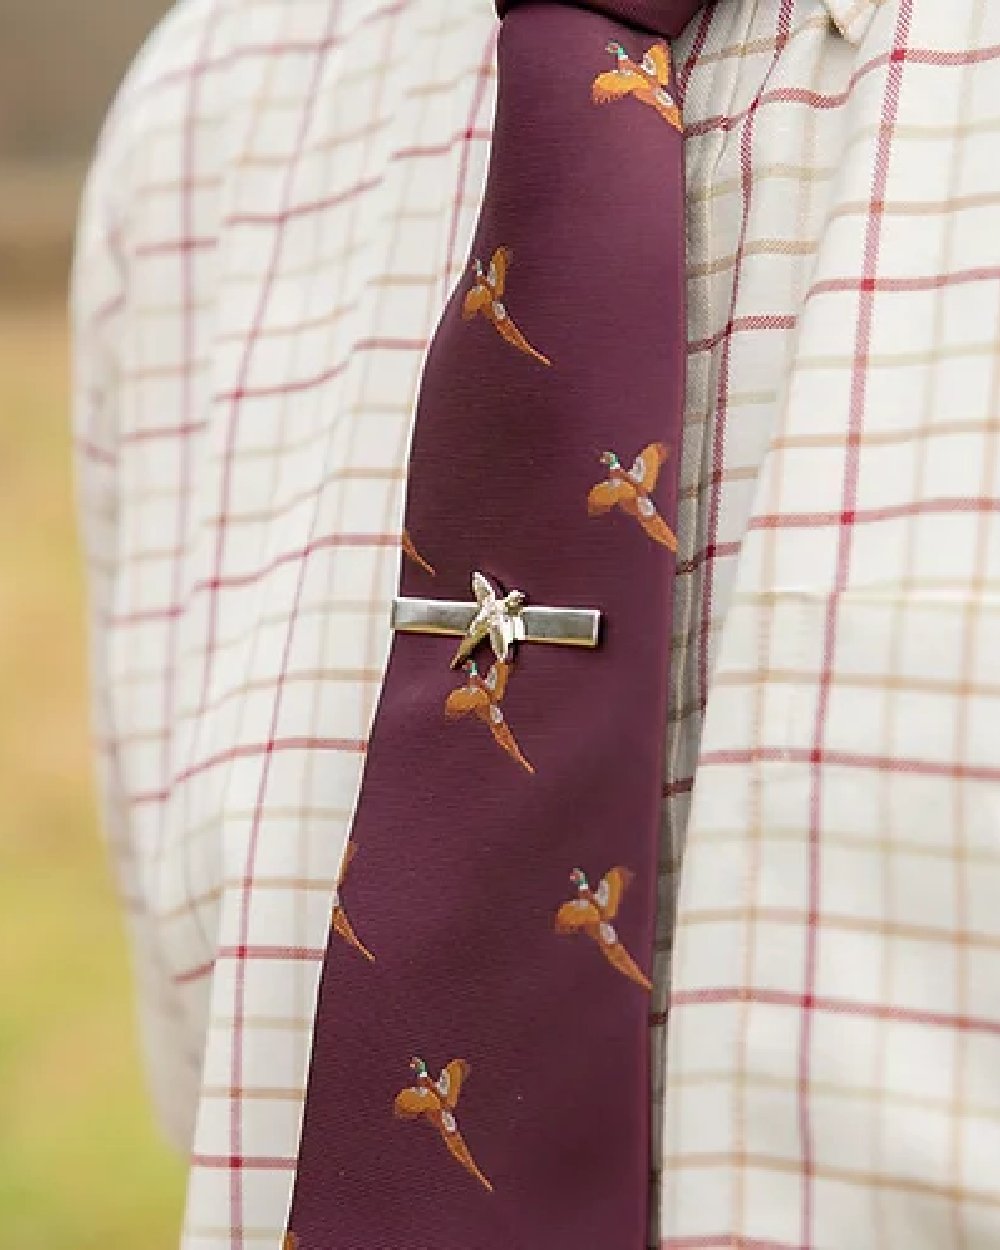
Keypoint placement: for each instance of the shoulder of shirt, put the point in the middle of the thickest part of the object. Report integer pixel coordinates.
(143, 103)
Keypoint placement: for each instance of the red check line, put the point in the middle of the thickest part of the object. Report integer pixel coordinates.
(113, 305)
(740, 325)
(810, 1004)
(718, 427)
(267, 51)
(150, 433)
(921, 282)
(460, 137)
(248, 751)
(246, 895)
(822, 100)
(190, 975)
(817, 520)
(305, 209)
(298, 554)
(825, 757)
(309, 954)
(238, 1163)
(184, 244)
(308, 207)
(186, 254)
(697, 47)
(91, 450)
(242, 392)
(856, 421)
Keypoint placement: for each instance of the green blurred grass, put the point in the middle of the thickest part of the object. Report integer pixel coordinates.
(81, 1164)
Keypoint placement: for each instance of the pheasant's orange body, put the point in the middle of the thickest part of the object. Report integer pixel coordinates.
(486, 299)
(630, 491)
(592, 912)
(481, 697)
(435, 1102)
(646, 81)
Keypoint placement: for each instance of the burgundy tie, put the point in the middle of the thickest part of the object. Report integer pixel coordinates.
(480, 1073)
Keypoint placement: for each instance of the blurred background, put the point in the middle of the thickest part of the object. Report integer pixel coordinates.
(81, 1163)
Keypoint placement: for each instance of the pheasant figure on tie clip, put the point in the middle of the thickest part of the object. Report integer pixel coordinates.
(498, 619)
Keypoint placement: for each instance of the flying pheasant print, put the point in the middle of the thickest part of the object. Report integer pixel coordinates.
(341, 925)
(435, 1102)
(411, 553)
(592, 912)
(481, 697)
(647, 81)
(486, 298)
(630, 491)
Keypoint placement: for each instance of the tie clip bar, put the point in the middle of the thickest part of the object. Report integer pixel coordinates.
(570, 627)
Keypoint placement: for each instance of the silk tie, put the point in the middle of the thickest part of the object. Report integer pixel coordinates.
(480, 1074)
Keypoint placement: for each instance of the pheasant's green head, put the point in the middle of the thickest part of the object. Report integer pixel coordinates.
(579, 878)
(472, 668)
(418, 1067)
(615, 48)
(610, 459)
(477, 268)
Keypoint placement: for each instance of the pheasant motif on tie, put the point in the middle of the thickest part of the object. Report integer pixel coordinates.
(341, 924)
(515, 502)
(630, 490)
(486, 299)
(410, 551)
(647, 81)
(481, 697)
(592, 912)
(436, 1102)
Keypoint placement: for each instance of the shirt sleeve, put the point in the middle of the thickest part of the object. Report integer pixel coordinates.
(99, 330)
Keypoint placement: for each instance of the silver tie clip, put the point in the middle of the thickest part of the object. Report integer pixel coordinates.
(504, 620)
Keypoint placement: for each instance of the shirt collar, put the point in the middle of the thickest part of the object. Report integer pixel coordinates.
(852, 17)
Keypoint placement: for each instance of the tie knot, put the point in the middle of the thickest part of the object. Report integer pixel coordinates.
(666, 18)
